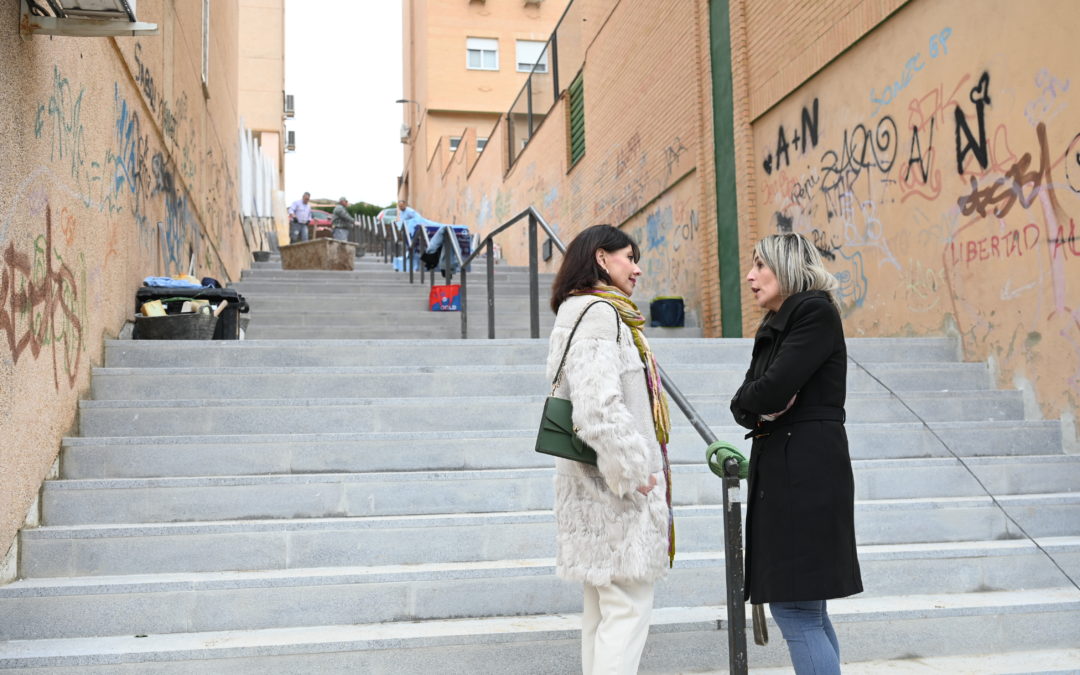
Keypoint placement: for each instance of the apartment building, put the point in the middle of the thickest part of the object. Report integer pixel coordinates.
(463, 60)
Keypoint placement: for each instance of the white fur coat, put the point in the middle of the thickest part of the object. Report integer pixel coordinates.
(607, 530)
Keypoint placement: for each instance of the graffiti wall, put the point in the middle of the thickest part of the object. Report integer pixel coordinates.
(936, 166)
(110, 173)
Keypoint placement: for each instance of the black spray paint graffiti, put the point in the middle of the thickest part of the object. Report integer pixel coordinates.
(145, 79)
(1072, 164)
(917, 156)
(980, 96)
(861, 151)
(1004, 192)
(40, 305)
(807, 139)
(672, 154)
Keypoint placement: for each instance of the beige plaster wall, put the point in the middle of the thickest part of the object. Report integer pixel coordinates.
(936, 165)
(115, 166)
(261, 74)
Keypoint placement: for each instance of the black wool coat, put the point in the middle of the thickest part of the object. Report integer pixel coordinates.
(800, 521)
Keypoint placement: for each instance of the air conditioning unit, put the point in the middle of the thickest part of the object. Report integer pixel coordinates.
(290, 107)
(290, 141)
(406, 131)
(533, 2)
(82, 18)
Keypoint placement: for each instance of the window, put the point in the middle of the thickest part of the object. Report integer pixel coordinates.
(455, 141)
(577, 119)
(530, 53)
(481, 143)
(482, 54)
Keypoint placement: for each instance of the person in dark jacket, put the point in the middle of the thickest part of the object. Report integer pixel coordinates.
(800, 542)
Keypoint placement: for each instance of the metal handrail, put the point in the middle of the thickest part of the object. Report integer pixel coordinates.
(736, 610)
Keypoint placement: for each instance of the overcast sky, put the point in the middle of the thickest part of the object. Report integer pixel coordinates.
(343, 65)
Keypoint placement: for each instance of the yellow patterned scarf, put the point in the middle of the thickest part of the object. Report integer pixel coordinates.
(635, 321)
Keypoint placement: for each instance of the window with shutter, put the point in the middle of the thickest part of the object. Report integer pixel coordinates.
(576, 93)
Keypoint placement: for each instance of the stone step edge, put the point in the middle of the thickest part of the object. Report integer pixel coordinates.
(429, 520)
(730, 342)
(677, 428)
(170, 582)
(493, 369)
(466, 631)
(1040, 662)
(424, 475)
(431, 401)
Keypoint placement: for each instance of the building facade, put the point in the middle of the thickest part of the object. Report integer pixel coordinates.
(462, 61)
(120, 161)
(263, 111)
(926, 147)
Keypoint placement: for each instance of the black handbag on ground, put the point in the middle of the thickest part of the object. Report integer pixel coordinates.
(557, 436)
(430, 260)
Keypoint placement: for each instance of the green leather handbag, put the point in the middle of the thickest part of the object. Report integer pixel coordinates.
(557, 435)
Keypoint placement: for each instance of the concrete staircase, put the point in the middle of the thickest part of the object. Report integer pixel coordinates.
(374, 505)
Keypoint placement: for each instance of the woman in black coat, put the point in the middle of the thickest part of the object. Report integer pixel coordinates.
(800, 544)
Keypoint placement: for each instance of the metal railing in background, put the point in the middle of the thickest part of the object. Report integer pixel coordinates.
(392, 240)
(561, 59)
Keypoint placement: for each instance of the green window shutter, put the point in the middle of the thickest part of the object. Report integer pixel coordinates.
(577, 119)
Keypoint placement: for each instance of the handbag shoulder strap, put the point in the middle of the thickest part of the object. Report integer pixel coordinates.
(570, 338)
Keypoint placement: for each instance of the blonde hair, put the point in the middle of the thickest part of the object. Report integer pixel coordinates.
(797, 265)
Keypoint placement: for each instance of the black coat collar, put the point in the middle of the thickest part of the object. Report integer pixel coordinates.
(778, 322)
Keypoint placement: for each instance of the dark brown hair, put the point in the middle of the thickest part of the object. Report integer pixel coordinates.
(579, 268)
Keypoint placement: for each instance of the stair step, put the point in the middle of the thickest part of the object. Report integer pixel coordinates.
(399, 381)
(1032, 620)
(1043, 662)
(275, 540)
(403, 319)
(198, 455)
(180, 602)
(118, 500)
(476, 331)
(313, 415)
(141, 353)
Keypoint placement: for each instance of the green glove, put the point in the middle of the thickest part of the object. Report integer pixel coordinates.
(718, 453)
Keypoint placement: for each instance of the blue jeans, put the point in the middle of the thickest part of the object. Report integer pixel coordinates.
(810, 637)
(297, 231)
(341, 234)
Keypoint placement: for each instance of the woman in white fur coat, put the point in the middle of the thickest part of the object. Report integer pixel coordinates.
(614, 526)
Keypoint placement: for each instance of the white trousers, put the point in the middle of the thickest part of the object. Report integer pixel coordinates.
(614, 625)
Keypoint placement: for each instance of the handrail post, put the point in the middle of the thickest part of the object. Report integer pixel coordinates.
(553, 57)
(448, 271)
(528, 95)
(534, 284)
(491, 288)
(464, 306)
(733, 562)
(412, 245)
